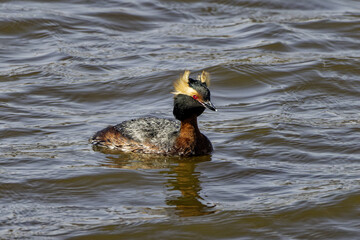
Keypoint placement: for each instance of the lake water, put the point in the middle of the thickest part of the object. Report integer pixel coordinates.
(286, 137)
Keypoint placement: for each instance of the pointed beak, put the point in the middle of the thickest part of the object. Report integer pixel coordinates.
(209, 105)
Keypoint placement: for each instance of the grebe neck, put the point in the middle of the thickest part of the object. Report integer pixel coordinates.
(190, 141)
(189, 128)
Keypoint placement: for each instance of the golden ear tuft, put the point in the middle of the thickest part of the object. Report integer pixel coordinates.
(181, 85)
(204, 77)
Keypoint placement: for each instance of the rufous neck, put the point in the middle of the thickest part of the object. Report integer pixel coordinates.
(189, 126)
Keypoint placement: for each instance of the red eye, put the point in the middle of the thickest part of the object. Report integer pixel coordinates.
(195, 97)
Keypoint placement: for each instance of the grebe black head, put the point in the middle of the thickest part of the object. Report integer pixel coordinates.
(191, 96)
(164, 136)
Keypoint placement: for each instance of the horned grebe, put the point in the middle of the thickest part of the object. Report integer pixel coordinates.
(165, 136)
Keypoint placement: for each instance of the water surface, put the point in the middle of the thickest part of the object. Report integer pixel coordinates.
(286, 82)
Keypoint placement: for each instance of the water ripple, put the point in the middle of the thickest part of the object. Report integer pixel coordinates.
(285, 79)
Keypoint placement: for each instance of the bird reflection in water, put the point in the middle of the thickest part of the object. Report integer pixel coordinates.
(187, 182)
(183, 184)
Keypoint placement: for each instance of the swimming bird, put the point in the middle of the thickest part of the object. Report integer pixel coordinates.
(165, 136)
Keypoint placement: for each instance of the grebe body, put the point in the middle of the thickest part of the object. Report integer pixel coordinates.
(165, 136)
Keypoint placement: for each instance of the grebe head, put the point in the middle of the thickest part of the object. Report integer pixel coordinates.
(191, 96)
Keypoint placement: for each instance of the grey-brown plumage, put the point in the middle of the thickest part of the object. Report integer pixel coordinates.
(157, 131)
